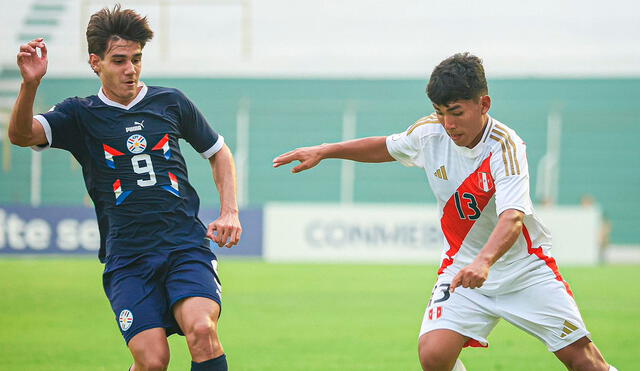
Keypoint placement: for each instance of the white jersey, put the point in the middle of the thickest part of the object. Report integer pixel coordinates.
(473, 187)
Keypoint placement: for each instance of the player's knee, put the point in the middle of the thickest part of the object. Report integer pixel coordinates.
(203, 331)
(432, 359)
(202, 328)
(156, 362)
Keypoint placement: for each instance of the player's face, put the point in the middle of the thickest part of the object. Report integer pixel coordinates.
(119, 70)
(464, 119)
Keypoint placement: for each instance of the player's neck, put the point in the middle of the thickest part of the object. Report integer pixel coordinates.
(117, 99)
(476, 140)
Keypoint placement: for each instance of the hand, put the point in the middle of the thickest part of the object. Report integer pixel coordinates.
(308, 157)
(471, 276)
(32, 67)
(227, 228)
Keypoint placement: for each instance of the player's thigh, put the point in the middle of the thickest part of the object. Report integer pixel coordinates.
(547, 311)
(196, 311)
(440, 348)
(464, 311)
(581, 352)
(150, 348)
(193, 273)
(135, 289)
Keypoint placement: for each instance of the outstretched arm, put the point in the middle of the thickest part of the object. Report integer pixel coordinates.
(227, 226)
(502, 238)
(24, 130)
(371, 149)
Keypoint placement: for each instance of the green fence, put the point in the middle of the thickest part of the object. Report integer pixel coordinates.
(599, 155)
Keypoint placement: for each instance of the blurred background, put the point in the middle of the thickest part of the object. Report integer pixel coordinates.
(272, 76)
(275, 75)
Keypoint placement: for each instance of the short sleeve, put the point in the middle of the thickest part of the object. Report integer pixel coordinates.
(196, 130)
(510, 172)
(407, 147)
(60, 126)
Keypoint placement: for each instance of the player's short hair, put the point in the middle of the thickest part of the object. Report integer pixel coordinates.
(110, 25)
(460, 76)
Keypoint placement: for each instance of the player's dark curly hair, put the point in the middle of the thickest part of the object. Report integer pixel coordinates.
(460, 76)
(107, 25)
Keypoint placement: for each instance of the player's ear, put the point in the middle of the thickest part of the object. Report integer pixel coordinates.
(485, 102)
(94, 62)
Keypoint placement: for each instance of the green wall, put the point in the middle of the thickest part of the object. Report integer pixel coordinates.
(599, 155)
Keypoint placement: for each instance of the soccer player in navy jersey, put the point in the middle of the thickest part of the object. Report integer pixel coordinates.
(160, 274)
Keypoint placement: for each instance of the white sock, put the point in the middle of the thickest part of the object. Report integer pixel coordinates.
(611, 368)
(460, 367)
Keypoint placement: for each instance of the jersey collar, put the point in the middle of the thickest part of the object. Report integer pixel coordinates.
(479, 148)
(111, 103)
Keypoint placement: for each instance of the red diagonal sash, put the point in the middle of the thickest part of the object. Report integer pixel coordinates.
(456, 228)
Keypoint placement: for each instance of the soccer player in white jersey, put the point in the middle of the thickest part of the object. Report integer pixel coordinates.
(496, 261)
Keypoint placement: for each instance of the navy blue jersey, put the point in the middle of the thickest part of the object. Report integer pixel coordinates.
(133, 168)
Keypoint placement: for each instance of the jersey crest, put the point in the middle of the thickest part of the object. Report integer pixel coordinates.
(485, 181)
(136, 144)
(125, 319)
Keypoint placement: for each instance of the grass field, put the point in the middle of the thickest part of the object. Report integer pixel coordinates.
(54, 316)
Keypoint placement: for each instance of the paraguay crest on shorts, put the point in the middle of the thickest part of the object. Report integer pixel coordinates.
(485, 181)
(125, 319)
(136, 143)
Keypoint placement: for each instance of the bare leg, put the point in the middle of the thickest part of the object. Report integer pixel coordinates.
(439, 349)
(150, 350)
(198, 319)
(583, 355)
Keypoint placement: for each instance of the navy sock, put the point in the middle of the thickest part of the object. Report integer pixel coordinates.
(214, 364)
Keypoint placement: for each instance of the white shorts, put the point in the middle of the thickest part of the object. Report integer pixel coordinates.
(545, 310)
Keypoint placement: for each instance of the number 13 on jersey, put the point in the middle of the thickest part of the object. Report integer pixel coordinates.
(467, 201)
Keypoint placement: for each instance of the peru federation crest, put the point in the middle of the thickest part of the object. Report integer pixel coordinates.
(485, 181)
(136, 144)
(125, 319)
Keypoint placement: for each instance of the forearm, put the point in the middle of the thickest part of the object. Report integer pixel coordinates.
(224, 175)
(371, 149)
(503, 237)
(21, 123)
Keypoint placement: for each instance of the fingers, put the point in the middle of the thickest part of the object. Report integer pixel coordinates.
(29, 49)
(457, 281)
(32, 45)
(235, 237)
(224, 235)
(210, 234)
(287, 153)
(467, 279)
(283, 159)
(43, 49)
(303, 166)
(279, 162)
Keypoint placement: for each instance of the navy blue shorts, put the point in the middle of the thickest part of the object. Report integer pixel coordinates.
(142, 289)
